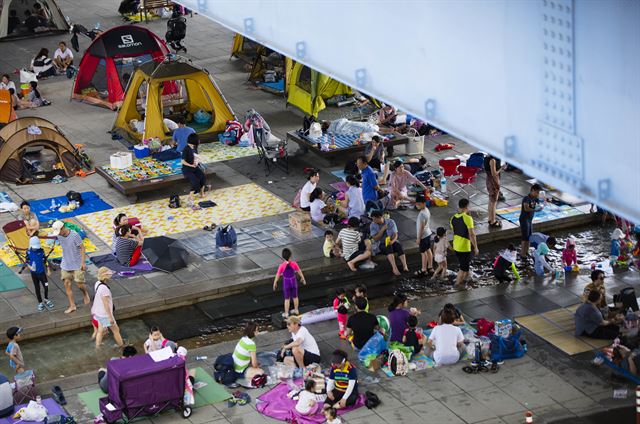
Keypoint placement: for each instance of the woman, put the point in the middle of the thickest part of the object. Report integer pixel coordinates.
(35, 98)
(353, 199)
(191, 169)
(320, 211)
(42, 64)
(6, 83)
(312, 181)
(18, 103)
(398, 182)
(493, 168)
(446, 340)
(398, 313)
(136, 225)
(245, 359)
(32, 225)
(342, 385)
(102, 309)
(128, 247)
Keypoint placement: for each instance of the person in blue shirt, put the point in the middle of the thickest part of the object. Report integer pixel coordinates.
(37, 266)
(382, 229)
(530, 205)
(370, 186)
(181, 134)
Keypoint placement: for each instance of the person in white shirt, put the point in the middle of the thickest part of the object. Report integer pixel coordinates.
(307, 399)
(102, 309)
(320, 211)
(447, 340)
(353, 199)
(313, 177)
(304, 347)
(63, 57)
(6, 83)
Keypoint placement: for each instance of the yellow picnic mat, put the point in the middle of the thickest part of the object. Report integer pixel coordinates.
(557, 327)
(217, 152)
(234, 204)
(10, 259)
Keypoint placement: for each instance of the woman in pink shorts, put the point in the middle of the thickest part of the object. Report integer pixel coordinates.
(288, 270)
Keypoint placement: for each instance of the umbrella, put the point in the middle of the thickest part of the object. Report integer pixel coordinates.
(165, 253)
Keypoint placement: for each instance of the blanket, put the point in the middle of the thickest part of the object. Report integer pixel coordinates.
(549, 213)
(275, 404)
(10, 259)
(109, 260)
(145, 169)
(92, 203)
(52, 409)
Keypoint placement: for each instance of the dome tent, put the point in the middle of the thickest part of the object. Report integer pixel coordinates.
(10, 31)
(102, 73)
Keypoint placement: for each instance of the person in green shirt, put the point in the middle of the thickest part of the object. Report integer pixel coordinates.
(245, 359)
(464, 238)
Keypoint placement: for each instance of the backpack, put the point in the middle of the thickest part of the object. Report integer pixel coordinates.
(372, 400)
(128, 7)
(74, 196)
(226, 236)
(398, 363)
(224, 371)
(6, 397)
(176, 29)
(484, 327)
(506, 347)
(174, 201)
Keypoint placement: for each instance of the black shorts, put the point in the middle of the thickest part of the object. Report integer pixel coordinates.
(464, 259)
(396, 247)
(310, 358)
(425, 244)
(361, 249)
(337, 397)
(307, 209)
(526, 228)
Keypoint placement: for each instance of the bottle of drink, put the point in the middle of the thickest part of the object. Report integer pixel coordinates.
(53, 204)
(443, 184)
(201, 358)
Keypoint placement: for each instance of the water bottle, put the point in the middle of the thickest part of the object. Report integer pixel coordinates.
(477, 359)
(443, 184)
(53, 204)
(201, 358)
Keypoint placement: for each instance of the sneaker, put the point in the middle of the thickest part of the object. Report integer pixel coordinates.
(49, 303)
(40, 307)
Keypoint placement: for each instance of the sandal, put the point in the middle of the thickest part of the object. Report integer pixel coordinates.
(496, 224)
(470, 369)
(210, 227)
(420, 273)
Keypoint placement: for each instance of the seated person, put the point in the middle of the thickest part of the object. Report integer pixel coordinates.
(20, 104)
(136, 225)
(304, 347)
(458, 318)
(413, 336)
(446, 340)
(352, 199)
(127, 352)
(536, 238)
(346, 127)
(375, 152)
(400, 179)
(42, 15)
(245, 357)
(62, 57)
(415, 165)
(354, 249)
(156, 340)
(342, 384)
(320, 211)
(596, 284)
(128, 247)
(384, 235)
(31, 223)
(361, 325)
(31, 21)
(387, 115)
(590, 322)
(627, 359)
(138, 125)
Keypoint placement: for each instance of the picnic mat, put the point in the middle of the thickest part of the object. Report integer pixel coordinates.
(217, 152)
(235, 204)
(276, 86)
(145, 169)
(207, 395)
(275, 404)
(92, 203)
(557, 328)
(549, 213)
(10, 259)
(52, 409)
(5, 198)
(9, 280)
(109, 260)
(343, 141)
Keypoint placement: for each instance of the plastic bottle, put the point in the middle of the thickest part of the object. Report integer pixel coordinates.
(53, 204)
(443, 184)
(201, 358)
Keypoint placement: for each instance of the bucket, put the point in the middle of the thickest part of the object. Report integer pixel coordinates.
(25, 88)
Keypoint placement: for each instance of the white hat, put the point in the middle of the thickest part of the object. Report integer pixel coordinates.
(182, 351)
(56, 227)
(617, 234)
(34, 243)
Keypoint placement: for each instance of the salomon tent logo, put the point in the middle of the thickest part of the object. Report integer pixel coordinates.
(127, 41)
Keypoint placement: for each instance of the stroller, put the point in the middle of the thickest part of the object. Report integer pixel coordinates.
(176, 31)
(139, 386)
(18, 241)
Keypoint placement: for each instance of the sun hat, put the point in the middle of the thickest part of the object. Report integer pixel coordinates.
(56, 227)
(617, 234)
(34, 243)
(104, 273)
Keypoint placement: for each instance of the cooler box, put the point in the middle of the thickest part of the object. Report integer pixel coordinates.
(141, 151)
(300, 222)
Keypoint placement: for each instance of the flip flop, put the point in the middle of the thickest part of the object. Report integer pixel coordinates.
(420, 273)
(496, 224)
(58, 396)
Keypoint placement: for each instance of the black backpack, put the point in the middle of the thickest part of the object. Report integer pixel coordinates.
(174, 201)
(74, 196)
(176, 29)
(306, 124)
(224, 371)
(128, 7)
(372, 400)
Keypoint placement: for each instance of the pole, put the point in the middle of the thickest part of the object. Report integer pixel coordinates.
(528, 417)
(637, 404)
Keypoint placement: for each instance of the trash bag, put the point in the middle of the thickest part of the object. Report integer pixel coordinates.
(202, 117)
(372, 348)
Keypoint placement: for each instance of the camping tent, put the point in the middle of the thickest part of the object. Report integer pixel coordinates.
(111, 59)
(307, 89)
(171, 89)
(26, 154)
(275, 61)
(246, 49)
(13, 16)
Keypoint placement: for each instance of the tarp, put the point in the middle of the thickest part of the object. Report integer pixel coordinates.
(91, 203)
(109, 260)
(165, 253)
(307, 89)
(56, 21)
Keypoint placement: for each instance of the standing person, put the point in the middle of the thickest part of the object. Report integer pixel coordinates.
(305, 192)
(370, 188)
(191, 169)
(38, 268)
(530, 205)
(62, 57)
(181, 134)
(440, 247)
(245, 357)
(354, 249)
(30, 219)
(102, 309)
(288, 270)
(398, 313)
(423, 237)
(384, 235)
(13, 350)
(353, 198)
(342, 385)
(304, 347)
(362, 325)
(464, 238)
(341, 307)
(446, 340)
(42, 65)
(493, 168)
(73, 263)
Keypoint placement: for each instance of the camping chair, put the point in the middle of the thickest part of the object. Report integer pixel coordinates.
(467, 178)
(449, 167)
(18, 242)
(273, 155)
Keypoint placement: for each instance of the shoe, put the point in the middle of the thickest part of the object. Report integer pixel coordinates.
(343, 337)
(40, 307)
(58, 396)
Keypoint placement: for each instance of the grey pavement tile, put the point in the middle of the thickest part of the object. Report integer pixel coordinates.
(469, 409)
(190, 274)
(407, 391)
(527, 393)
(205, 414)
(583, 406)
(499, 402)
(239, 264)
(463, 380)
(492, 421)
(435, 412)
(400, 415)
(372, 419)
(162, 280)
(436, 384)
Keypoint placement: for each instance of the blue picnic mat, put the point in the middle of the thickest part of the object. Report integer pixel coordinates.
(549, 213)
(343, 141)
(4, 197)
(92, 203)
(278, 85)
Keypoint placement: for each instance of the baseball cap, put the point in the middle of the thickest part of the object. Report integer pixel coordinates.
(12, 331)
(56, 227)
(34, 243)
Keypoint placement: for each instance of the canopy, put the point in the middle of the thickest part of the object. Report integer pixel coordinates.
(46, 19)
(165, 253)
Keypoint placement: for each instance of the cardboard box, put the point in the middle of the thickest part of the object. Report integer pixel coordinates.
(300, 222)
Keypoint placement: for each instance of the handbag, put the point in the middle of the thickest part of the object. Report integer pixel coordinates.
(226, 236)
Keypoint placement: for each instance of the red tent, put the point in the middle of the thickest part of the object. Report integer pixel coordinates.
(111, 59)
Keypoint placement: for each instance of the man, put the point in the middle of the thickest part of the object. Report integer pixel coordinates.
(73, 263)
(304, 347)
(103, 382)
(62, 57)
(374, 152)
(370, 187)
(181, 134)
(384, 233)
(354, 249)
(596, 284)
(362, 325)
(423, 236)
(530, 205)
(464, 237)
(590, 322)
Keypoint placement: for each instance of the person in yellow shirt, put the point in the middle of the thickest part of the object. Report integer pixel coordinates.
(464, 238)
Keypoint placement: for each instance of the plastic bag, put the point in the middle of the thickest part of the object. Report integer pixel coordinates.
(26, 76)
(374, 346)
(202, 117)
(33, 412)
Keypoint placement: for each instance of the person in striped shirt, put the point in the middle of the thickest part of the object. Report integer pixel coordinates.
(354, 249)
(342, 385)
(245, 359)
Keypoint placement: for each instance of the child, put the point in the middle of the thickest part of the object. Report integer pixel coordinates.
(38, 268)
(569, 256)
(320, 211)
(413, 337)
(450, 307)
(341, 306)
(288, 270)
(505, 260)
(441, 244)
(361, 291)
(307, 403)
(540, 264)
(331, 415)
(156, 340)
(13, 350)
(329, 247)
(616, 242)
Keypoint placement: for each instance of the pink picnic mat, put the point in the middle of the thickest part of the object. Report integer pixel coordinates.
(52, 409)
(275, 404)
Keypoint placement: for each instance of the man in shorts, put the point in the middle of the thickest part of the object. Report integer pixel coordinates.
(530, 205)
(423, 237)
(303, 346)
(384, 235)
(73, 263)
(354, 249)
(464, 237)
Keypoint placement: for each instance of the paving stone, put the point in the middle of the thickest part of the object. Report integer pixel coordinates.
(467, 408)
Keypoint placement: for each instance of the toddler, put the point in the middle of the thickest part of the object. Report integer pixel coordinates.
(156, 340)
(329, 247)
(505, 260)
(616, 242)
(361, 291)
(331, 415)
(320, 211)
(307, 399)
(569, 255)
(413, 336)
(13, 350)
(38, 268)
(288, 270)
(441, 244)
(341, 306)
(540, 264)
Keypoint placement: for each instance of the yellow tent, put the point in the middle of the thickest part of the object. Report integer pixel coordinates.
(246, 49)
(171, 89)
(307, 89)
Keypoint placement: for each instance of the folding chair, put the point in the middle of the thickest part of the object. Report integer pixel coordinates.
(449, 167)
(18, 241)
(273, 155)
(467, 178)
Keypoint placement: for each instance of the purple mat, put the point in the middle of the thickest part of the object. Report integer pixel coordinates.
(109, 260)
(275, 404)
(340, 186)
(52, 409)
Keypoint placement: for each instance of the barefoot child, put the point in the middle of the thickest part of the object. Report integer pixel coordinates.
(329, 247)
(506, 260)
(361, 291)
(13, 350)
(441, 244)
(288, 270)
(569, 255)
(341, 306)
(331, 415)
(156, 340)
(307, 399)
